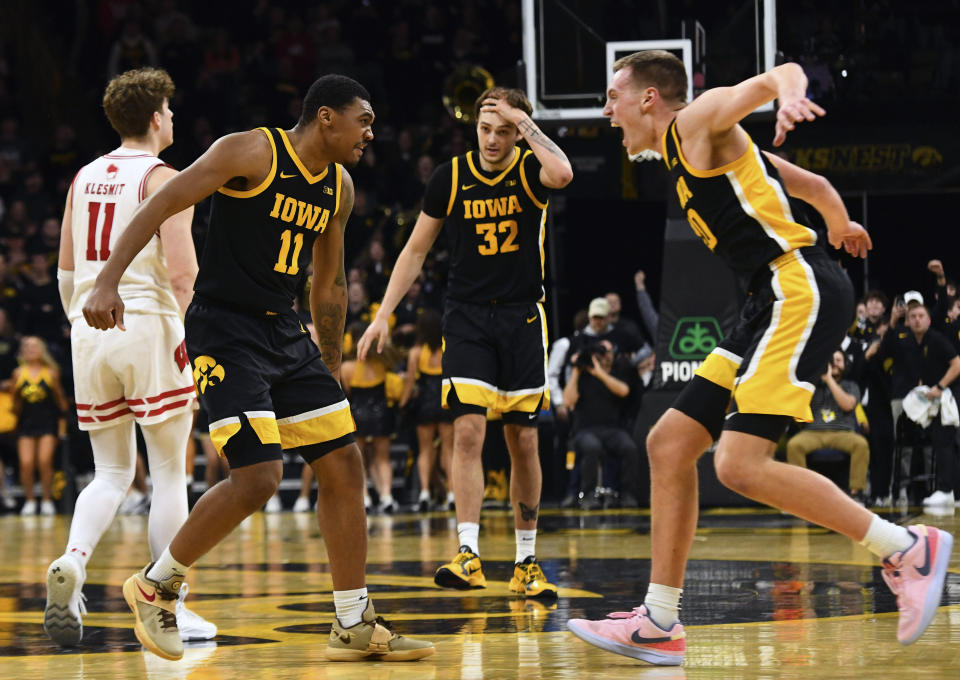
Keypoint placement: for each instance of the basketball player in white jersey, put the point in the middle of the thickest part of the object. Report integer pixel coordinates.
(138, 374)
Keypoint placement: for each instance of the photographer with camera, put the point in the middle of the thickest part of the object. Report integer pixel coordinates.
(597, 393)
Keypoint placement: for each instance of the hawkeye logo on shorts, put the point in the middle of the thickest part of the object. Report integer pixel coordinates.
(694, 337)
(207, 373)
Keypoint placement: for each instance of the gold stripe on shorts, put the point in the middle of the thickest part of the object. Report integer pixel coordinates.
(222, 430)
(317, 426)
(719, 368)
(264, 423)
(770, 384)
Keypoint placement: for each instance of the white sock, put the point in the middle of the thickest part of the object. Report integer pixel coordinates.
(350, 605)
(885, 538)
(166, 567)
(663, 604)
(80, 552)
(424, 495)
(469, 535)
(526, 543)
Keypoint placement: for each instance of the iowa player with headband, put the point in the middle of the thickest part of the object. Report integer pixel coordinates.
(493, 203)
(739, 200)
(281, 199)
(139, 376)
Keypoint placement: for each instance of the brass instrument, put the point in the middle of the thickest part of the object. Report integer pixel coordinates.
(461, 89)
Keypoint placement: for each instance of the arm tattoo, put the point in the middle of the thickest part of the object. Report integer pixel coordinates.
(533, 135)
(328, 320)
(527, 513)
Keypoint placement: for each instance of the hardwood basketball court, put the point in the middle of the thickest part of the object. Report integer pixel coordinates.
(767, 596)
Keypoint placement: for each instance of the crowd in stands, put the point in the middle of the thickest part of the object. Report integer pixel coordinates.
(238, 72)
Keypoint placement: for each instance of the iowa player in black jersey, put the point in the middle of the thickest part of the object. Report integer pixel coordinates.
(739, 200)
(281, 200)
(493, 202)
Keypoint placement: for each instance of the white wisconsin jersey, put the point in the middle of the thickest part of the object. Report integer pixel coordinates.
(106, 193)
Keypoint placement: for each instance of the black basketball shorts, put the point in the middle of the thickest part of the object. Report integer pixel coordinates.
(494, 357)
(795, 317)
(263, 385)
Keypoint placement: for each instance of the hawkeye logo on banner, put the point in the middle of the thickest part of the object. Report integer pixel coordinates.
(694, 337)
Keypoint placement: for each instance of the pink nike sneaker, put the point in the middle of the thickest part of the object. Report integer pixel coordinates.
(916, 577)
(634, 634)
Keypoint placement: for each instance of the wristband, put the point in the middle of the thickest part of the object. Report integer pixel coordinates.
(941, 387)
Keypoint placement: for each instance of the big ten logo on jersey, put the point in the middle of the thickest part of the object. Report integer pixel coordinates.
(697, 223)
(306, 215)
(495, 207)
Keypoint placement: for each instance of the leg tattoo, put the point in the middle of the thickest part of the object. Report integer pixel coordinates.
(527, 513)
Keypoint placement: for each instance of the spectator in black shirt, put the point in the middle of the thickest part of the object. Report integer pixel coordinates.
(866, 330)
(875, 381)
(923, 356)
(597, 393)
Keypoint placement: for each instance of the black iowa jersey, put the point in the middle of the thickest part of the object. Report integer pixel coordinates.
(741, 210)
(260, 241)
(495, 222)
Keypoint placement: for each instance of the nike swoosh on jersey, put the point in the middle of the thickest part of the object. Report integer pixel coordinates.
(531, 319)
(284, 175)
(464, 187)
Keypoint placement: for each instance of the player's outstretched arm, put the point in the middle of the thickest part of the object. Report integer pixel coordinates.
(555, 169)
(405, 271)
(244, 154)
(818, 192)
(717, 110)
(328, 288)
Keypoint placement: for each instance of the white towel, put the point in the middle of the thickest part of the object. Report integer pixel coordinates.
(922, 410)
(949, 414)
(918, 408)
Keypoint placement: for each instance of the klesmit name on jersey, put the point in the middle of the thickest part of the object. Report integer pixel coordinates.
(307, 215)
(491, 207)
(96, 189)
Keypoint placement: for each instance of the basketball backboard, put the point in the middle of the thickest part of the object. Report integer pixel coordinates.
(568, 52)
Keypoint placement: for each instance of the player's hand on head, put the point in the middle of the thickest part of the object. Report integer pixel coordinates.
(793, 111)
(503, 108)
(104, 309)
(376, 331)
